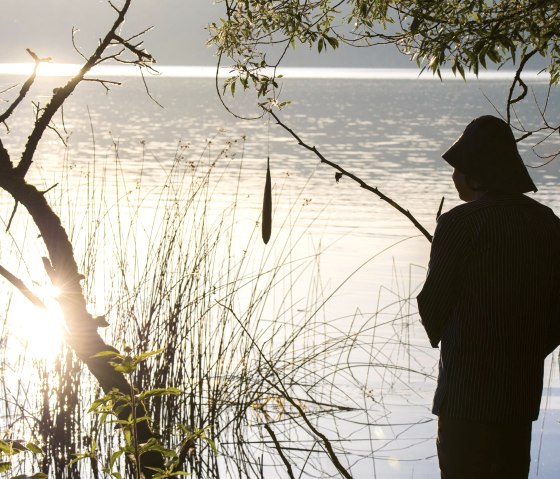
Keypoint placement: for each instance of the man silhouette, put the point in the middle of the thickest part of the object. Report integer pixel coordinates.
(492, 300)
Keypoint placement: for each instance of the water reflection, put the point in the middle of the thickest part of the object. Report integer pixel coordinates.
(121, 148)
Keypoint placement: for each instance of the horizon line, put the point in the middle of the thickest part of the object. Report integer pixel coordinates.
(327, 73)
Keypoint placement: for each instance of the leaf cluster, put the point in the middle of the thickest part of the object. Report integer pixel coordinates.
(466, 35)
(8, 449)
(120, 408)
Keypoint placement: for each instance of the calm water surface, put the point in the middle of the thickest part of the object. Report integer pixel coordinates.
(390, 133)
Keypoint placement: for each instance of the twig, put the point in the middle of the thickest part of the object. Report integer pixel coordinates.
(104, 83)
(148, 89)
(280, 451)
(221, 98)
(25, 88)
(362, 183)
(12, 216)
(440, 207)
(49, 189)
(279, 386)
(74, 32)
(516, 80)
(19, 284)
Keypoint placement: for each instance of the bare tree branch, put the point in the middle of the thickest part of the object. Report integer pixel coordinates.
(5, 162)
(61, 94)
(19, 284)
(61, 266)
(360, 182)
(25, 87)
(517, 80)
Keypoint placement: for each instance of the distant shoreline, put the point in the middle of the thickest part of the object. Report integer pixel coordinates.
(168, 71)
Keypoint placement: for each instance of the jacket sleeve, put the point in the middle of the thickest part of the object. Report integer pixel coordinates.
(553, 337)
(553, 333)
(448, 259)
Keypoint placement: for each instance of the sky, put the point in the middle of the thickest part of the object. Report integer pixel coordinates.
(178, 38)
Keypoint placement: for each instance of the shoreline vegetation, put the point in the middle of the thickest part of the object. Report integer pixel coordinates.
(267, 371)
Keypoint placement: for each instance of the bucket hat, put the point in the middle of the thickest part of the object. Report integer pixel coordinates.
(487, 152)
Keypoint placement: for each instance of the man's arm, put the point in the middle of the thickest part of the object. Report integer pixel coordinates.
(553, 334)
(448, 259)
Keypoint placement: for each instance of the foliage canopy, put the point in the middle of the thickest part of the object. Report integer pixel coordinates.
(462, 34)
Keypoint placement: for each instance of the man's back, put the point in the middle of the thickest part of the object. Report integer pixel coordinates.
(492, 297)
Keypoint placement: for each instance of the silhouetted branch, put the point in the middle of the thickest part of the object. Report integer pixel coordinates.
(74, 32)
(61, 94)
(142, 55)
(104, 83)
(517, 80)
(360, 182)
(19, 284)
(148, 92)
(280, 451)
(25, 87)
(61, 266)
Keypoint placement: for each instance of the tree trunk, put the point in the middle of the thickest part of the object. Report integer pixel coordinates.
(81, 334)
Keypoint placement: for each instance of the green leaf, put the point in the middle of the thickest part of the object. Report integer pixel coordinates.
(80, 457)
(106, 353)
(5, 466)
(142, 356)
(114, 458)
(333, 42)
(5, 447)
(14, 447)
(212, 444)
(34, 448)
(160, 392)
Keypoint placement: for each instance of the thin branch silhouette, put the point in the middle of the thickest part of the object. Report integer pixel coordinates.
(362, 183)
(19, 284)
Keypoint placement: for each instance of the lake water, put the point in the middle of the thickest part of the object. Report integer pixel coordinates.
(390, 130)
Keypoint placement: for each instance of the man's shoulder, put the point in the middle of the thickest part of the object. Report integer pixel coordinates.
(495, 205)
(460, 213)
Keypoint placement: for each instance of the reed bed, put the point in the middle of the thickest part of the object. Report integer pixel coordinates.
(280, 384)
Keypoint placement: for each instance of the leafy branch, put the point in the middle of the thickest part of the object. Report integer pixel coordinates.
(466, 35)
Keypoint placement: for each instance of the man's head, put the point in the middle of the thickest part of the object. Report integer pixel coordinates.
(469, 189)
(486, 155)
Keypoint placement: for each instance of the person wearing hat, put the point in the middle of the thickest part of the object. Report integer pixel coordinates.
(491, 301)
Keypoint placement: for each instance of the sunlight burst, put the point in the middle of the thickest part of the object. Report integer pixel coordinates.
(39, 332)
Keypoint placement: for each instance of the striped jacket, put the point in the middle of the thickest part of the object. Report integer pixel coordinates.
(492, 298)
